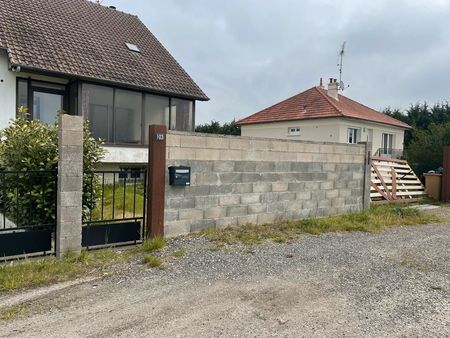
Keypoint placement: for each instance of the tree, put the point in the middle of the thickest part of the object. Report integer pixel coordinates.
(426, 148)
(214, 127)
(30, 145)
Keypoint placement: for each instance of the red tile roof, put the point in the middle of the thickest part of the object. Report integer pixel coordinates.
(315, 103)
(82, 39)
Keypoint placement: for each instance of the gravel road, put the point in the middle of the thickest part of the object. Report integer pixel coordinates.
(394, 283)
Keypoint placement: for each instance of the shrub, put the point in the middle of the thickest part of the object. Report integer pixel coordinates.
(30, 145)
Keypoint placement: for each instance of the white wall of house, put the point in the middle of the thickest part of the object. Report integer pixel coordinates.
(7, 91)
(328, 130)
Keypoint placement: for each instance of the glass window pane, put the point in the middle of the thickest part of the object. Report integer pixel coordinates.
(128, 112)
(156, 111)
(181, 115)
(98, 108)
(46, 106)
(22, 94)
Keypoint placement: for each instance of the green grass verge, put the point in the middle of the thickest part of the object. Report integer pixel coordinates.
(35, 272)
(377, 218)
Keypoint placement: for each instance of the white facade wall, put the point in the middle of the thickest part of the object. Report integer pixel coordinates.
(327, 130)
(7, 91)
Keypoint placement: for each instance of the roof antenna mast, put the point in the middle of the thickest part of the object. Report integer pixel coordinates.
(341, 57)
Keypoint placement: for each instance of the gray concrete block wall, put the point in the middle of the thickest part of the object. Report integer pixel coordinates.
(238, 180)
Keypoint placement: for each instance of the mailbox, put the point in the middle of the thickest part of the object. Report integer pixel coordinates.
(180, 175)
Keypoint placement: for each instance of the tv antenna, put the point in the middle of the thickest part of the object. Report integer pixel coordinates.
(341, 57)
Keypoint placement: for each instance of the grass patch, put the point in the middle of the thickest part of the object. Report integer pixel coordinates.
(49, 270)
(12, 312)
(179, 253)
(376, 219)
(152, 261)
(150, 245)
(130, 206)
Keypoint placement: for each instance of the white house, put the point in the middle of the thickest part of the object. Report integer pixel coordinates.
(93, 61)
(319, 114)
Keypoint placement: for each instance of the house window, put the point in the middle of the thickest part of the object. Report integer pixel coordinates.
(43, 99)
(352, 135)
(128, 112)
(181, 115)
(293, 131)
(100, 101)
(386, 143)
(156, 111)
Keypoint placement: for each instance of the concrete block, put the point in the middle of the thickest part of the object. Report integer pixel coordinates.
(70, 123)
(329, 167)
(266, 218)
(241, 188)
(319, 176)
(277, 207)
(239, 144)
(200, 225)
(173, 140)
(231, 155)
(324, 204)
(280, 186)
(170, 215)
(294, 205)
(217, 142)
(312, 185)
(181, 203)
(191, 141)
(300, 166)
(287, 196)
(315, 167)
(262, 167)
(345, 192)
(215, 212)
(332, 193)
(269, 197)
(256, 208)
(249, 219)
(203, 202)
(69, 198)
(208, 154)
(227, 178)
(71, 183)
(207, 179)
(250, 177)
(229, 200)
(318, 195)
(338, 202)
(176, 228)
(303, 195)
(190, 214)
(296, 186)
(262, 187)
(70, 137)
(283, 166)
(326, 185)
(237, 210)
(201, 190)
(226, 222)
(245, 166)
(221, 189)
(309, 204)
(276, 145)
(223, 166)
(250, 198)
(181, 153)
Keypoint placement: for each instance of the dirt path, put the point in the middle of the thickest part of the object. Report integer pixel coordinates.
(395, 283)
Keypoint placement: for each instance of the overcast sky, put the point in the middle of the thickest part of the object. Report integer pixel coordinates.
(249, 54)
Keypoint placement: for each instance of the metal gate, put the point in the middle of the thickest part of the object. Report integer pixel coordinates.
(114, 205)
(27, 212)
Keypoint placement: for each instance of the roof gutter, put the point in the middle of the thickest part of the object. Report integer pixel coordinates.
(103, 81)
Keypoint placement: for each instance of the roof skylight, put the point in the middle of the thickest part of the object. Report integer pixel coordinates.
(132, 47)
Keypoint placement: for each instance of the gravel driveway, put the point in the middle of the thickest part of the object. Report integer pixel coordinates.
(394, 283)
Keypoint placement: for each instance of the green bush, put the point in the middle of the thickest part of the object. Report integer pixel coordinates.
(30, 145)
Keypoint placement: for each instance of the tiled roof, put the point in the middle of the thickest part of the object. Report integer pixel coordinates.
(315, 103)
(82, 39)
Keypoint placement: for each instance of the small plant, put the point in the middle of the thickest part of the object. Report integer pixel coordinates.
(12, 312)
(151, 245)
(152, 261)
(179, 253)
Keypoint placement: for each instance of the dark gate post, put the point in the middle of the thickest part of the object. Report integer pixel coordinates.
(445, 192)
(156, 180)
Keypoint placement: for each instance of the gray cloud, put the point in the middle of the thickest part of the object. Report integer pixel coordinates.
(249, 54)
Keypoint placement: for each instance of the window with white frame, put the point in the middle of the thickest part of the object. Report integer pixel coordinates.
(352, 135)
(387, 140)
(294, 131)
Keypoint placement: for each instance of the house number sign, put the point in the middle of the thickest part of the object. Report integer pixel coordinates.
(159, 137)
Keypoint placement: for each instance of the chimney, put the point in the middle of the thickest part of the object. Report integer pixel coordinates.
(332, 90)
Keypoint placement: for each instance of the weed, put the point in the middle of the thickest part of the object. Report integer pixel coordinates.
(179, 253)
(152, 261)
(373, 220)
(151, 245)
(12, 312)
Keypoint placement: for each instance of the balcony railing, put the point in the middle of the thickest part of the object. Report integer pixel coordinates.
(389, 153)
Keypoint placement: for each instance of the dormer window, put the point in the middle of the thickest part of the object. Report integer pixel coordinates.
(132, 47)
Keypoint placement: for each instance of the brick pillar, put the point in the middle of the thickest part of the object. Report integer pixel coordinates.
(445, 188)
(367, 174)
(70, 184)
